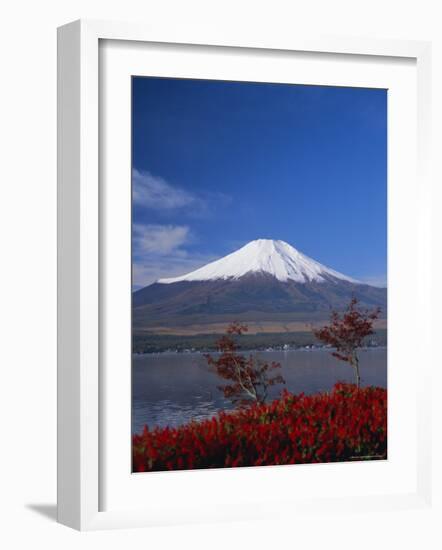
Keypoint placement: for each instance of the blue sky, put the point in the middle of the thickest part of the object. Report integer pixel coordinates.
(218, 164)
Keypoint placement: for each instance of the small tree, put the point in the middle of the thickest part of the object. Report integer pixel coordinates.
(346, 333)
(249, 378)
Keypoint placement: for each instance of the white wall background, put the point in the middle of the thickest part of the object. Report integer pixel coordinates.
(28, 265)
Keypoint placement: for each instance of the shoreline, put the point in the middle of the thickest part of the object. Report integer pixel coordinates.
(305, 349)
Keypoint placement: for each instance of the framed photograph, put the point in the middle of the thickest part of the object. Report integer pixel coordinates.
(236, 247)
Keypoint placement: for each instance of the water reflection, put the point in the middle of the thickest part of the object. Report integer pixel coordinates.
(172, 389)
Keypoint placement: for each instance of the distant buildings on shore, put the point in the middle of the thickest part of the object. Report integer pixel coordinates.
(372, 343)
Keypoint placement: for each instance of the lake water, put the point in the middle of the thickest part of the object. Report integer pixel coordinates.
(172, 389)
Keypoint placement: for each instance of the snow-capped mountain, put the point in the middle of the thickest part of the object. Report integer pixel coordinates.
(264, 282)
(276, 258)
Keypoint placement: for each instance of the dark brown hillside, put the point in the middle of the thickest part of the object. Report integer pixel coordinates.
(254, 297)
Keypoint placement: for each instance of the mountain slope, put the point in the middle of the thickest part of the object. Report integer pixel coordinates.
(264, 281)
(276, 258)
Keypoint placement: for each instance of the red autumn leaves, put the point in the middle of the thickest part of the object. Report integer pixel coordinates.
(346, 424)
(249, 378)
(346, 333)
(349, 423)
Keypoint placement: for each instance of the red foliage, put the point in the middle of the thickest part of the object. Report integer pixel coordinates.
(346, 333)
(346, 424)
(249, 378)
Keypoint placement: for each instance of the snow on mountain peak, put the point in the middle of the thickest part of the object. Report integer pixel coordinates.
(276, 258)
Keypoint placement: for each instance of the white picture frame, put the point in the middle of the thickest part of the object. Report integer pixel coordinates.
(80, 262)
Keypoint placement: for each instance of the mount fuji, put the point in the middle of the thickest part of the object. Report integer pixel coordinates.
(275, 258)
(265, 281)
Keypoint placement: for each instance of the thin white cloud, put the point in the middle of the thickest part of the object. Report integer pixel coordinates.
(374, 280)
(160, 251)
(156, 193)
(155, 239)
(149, 270)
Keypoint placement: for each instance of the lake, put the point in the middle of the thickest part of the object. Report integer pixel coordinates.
(169, 389)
